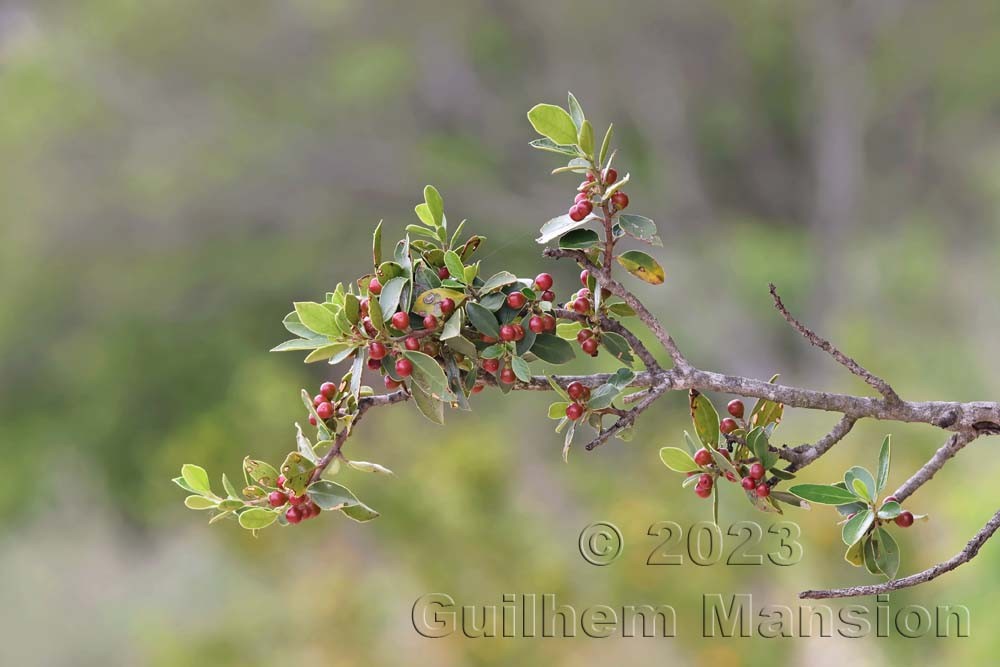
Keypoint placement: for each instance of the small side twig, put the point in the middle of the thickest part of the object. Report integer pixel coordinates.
(608, 324)
(954, 445)
(629, 417)
(880, 385)
(803, 455)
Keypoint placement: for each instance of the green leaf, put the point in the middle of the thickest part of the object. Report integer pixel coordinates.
(640, 227)
(857, 526)
(621, 310)
(452, 326)
(304, 446)
(297, 470)
(553, 122)
(423, 212)
(301, 344)
(823, 494)
(603, 397)
(617, 346)
(766, 411)
(887, 556)
(883, 465)
(482, 319)
(575, 111)
(642, 266)
(388, 300)
(521, 369)
(454, 265)
(316, 317)
(200, 503)
(606, 143)
(862, 482)
(377, 245)
(366, 466)
(429, 375)
(705, 419)
(435, 204)
(294, 325)
(559, 225)
(579, 239)
(360, 512)
(552, 147)
(256, 518)
(854, 554)
(331, 496)
(890, 510)
(758, 443)
(585, 139)
(498, 280)
(429, 407)
(228, 486)
(678, 460)
(260, 472)
(196, 479)
(552, 349)
(789, 499)
(557, 410)
(568, 330)
(340, 351)
(556, 388)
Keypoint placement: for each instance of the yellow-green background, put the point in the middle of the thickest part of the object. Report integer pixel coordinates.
(175, 173)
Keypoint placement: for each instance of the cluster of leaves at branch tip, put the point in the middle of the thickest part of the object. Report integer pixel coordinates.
(438, 330)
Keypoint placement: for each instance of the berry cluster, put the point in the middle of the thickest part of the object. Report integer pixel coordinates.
(300, 507)
(321, 401)
(905, 518)
(583, 203)
(579, 393)
(527, 304)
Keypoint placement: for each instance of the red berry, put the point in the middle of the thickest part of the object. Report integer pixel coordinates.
(548, 295)
(728, 425)
(586, 206)
(730, 476)
(443, 272)
(447, 306)
(293, 515)
(735, 408)
(580, 196)
(280, 481)
(374, 365)
(763, 491)
(536, 324)
(489, 340)
(706, 480)
(376, 350)
(584, 335)
(277, 498)
(476, 388)
(619, 199)
(548, 322)
(757, 470)
(904, 520)
(589, 346)
(584, 277)
(312, 420)
(507, 376)
(328, 389)
(404, 368)
(585, 293)
(543, 281)
(582, 305)
(318, 398)
(703, 457)
(374, 286)
(508, 333)
(430, 322)
(748, 483)
(574, 411)
(390, 384)
(369, 327)
(296, 501)
(576, 390)
(610, 176)
(411, 343)
(364, 307)
(314, 510)
(590, 177)
(518, 332)
(491, 365)
(324, 410)
(516, 300)
(401, 321)
(890, 499)
(576, 213)
(703, 491)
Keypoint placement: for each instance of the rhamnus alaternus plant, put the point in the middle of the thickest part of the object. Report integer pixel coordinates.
(434, 327)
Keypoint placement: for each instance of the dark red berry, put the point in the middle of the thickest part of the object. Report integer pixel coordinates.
(401, 321)
(586, 206)
(574, 411)
(730, 476)
(536, 324)
(390, 384)
(703, 457)
(590, 177)
(904, 520)
(507, 376)
(277, 498)
(491, 365)
(489, 340)
(543, 281)
(584, 277)
(364, 307)
(582, 305)
(728, 425)
(516, 300)
(518, 332)
(585, 293)
(610, 176)
(583, 335)
(411, 343)
(763, 490)
(374, 365)
(447, 306)
(296, 501)
(548, 322)
(312, 420)
(376, 350)
(443, 272)
(369, 327)
(374, 286)
(318, 398)
(476, 388)
(328, 389)
(548, 295)
(580, 196)
(576, 390)
(430, 322)
(293, 515)
(748, 483)
(508, 333)
(324, 410)
(706, 480)
(702, 491)
(280, 481)
(757, 470)
(404, 368)
(619, 199)
(590, 346)
(576, 213)
(735, 408)
(314, 510)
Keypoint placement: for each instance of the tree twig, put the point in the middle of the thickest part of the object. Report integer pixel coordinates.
(954, 444)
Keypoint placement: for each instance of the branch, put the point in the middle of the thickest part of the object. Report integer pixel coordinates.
(964, 556)
(954, 444)
(803, 455)
(880, 385)
(629, 418)
(608, 324)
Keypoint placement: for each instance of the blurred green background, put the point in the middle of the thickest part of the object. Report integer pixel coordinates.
(176, 173)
